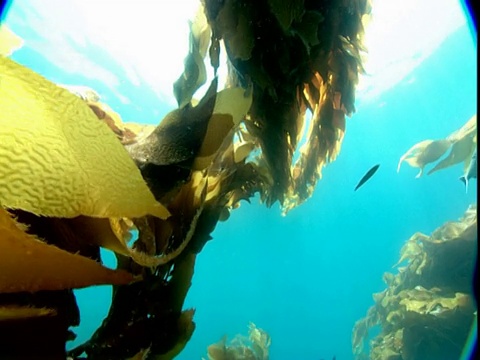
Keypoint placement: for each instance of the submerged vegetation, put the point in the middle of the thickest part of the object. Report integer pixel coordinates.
(462, 144)
(74, 178)
(428, 307)
(254, 347)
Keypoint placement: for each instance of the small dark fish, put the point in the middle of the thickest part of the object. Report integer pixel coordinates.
(471, 171)
(367, 176)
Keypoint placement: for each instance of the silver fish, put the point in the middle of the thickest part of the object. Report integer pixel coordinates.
(471, 171)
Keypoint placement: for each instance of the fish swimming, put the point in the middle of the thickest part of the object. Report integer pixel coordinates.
(471, 171)
(367, 176)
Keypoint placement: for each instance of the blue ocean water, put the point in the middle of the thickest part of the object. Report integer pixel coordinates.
(307, 277)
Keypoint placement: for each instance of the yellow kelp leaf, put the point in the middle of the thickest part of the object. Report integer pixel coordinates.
(242, 150)
(394, 316)
(56, 157)
(218, 128)
(423, 153)
(231, 106)
(9, 41)
(28, 264)
(234, 101)
(15, 312)
(418, 306)
(461, 151)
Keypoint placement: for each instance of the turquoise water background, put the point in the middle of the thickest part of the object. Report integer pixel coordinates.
(307, 277)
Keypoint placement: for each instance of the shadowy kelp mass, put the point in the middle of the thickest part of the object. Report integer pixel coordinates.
(84, 180)
(428, 307)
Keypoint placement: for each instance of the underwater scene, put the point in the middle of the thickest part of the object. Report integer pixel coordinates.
(238, 180)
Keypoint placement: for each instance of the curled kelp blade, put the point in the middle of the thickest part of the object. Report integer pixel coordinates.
(423, 153)
(116, 234)
(235, 101)
(57, 159)
(143, 258)
(28, 264)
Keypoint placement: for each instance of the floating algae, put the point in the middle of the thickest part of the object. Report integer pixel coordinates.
(461, 143)
(169, 183)
(428, 308)
(254, 347)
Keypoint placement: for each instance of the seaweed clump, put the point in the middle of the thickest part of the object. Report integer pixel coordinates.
(428, 308)
(254, 347)
(302, 60)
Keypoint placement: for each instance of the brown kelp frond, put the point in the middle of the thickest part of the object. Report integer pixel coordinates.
(307, 60)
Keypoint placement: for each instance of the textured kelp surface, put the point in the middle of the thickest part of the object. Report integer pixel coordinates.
(75, 178)
(428, 308)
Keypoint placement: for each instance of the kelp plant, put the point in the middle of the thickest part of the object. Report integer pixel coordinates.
(74, 178)
(462, 144)
(428, 308)
(254, 347)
